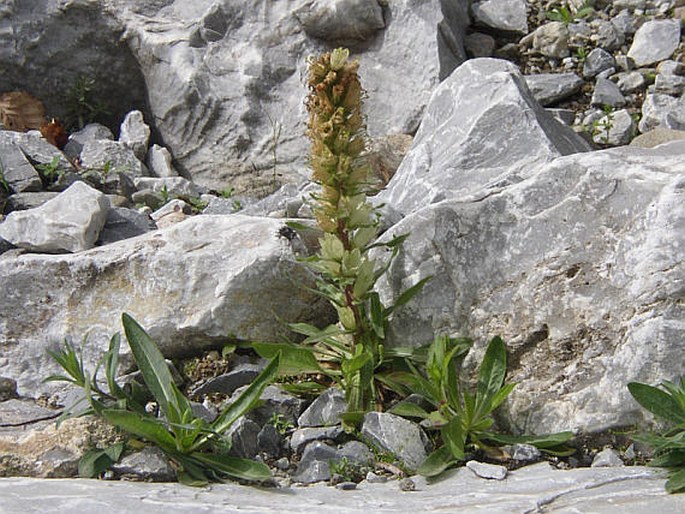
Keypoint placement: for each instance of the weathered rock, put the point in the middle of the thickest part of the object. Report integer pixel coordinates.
(356, 453)
(38, 150)
(105, 156)
(24, 201)
(48, 451)
(657, 137)
(91, 132)
(549, 88)
(401, 437)
(159, 162)
(303, 436)
(635, 489)
(122, 223)
(485, 470)
(315, 463)
(616, 128)
(269, 441)
(551, 40)
(16, 169)
(479, 45)
(502, 15)
(655, 41)
(596, 62)
(629, 82)
(71, 222)
(243, 437)
(450, 145)
(607, 458)
(198, 283)
(325, 410)
(229, 382)
(608, 35)
(135, 134)
(524, 452)
(174, 186)
(276, 403)
(149, 464)
(581, 282)
(607, 93)
(662, 111)
(341, 20)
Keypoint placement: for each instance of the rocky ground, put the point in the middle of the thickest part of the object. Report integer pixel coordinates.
(612, 72)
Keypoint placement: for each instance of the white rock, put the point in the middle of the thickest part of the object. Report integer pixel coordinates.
(135, 134)
(159, 162)
(70, 222)
(207, 280)
(504, 15)
(655, 41)
(485, 470)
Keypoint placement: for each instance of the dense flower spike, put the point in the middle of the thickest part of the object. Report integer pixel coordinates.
(337, 132)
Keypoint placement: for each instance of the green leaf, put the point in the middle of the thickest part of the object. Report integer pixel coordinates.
(539, 441)
(377, 315)
(437, 462)
(676, 482)
(295, 359)
(94, 462)
(454, 437)
(155, 371)
(141, 425)
(247, 399)
(491, 375)
(235, 467)
(658, 402)
(408, 410)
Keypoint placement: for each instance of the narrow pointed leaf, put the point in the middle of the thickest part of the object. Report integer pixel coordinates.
(235, 467)
(407, 295)
(437, 462)
(295, 359)
(492, 372)
(147, 427)
(409, 410)
(656, 401)
(154, 370)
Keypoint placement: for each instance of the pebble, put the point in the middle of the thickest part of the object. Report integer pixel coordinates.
(407, 484)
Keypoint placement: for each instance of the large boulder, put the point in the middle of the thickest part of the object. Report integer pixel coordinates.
(482, 130)
(221, 82)
(202, 282)
(579, 268)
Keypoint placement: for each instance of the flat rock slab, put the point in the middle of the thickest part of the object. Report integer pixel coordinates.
(537, 488)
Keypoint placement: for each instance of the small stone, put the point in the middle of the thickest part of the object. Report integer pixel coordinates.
(373, 478)
(489, 471)
(479, 44)
(148, 464)
(303, 436)
(159, 162)
(551, 40)
(325, 410)
(607, 458)
(401, 437)
(243, 436)
(597, 61)
(8, 389)
(525, 452)
(501, 15)
(283, 464)
(655, 41)
(407, 484)
(607, 93)
(135, 134)
(346, 486)
(616, 128)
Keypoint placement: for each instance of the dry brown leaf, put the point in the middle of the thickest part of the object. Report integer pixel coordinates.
(20, 111)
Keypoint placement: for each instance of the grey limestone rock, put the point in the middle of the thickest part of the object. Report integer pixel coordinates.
(314, 466)
(303, 436)
(578, 268)
(607, 93)
(105, 156)
(607, 458)
(655, 41)
(596, 62)
(17, 171)
(135, 134)
(458, 128)
(325, 409)
(341, 20)
(227, 383)
(502, 15)
(174, 186)
(485, 470)
(662, 111)
(551, 40)
(192, 285)
(122, 223)
(401, 437)
(24, 201)
(150, 464)
(549, 88)
(159, 162)
(243, 437)
(70, 222)
(92, 131)
(616, 128)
